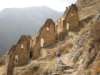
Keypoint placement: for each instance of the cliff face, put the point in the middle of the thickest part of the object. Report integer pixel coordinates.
(86, 3)
(78, 53)
(88, 8)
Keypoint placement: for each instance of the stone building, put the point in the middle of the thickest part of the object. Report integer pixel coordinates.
(20, 53)
(46, 38)
(11, 60)
(61, 33)
(71, 19)
(69, 22)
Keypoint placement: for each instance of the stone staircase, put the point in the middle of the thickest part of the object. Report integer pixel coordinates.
(62, 69)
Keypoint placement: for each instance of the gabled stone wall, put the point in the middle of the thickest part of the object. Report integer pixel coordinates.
(21, 51)
(47, 34)
(71, 21)
(45, 39)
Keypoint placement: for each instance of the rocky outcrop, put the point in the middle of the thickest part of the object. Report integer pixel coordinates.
(88, 8)
(85, 51)
(86, 3)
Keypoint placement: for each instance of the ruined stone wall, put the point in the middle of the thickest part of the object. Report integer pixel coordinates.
(11, 59)
(71, 22)
(48, 33)
(45, 39)
(61, 31)
(35, 51)
(21, 51)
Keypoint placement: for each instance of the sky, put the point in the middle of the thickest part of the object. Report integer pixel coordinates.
(58, 5)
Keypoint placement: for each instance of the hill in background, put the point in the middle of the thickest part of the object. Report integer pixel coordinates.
(17, 21)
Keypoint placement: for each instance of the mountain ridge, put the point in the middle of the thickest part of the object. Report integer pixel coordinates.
(17, 21)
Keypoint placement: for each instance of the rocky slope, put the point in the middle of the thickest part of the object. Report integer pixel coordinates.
(78, 53)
